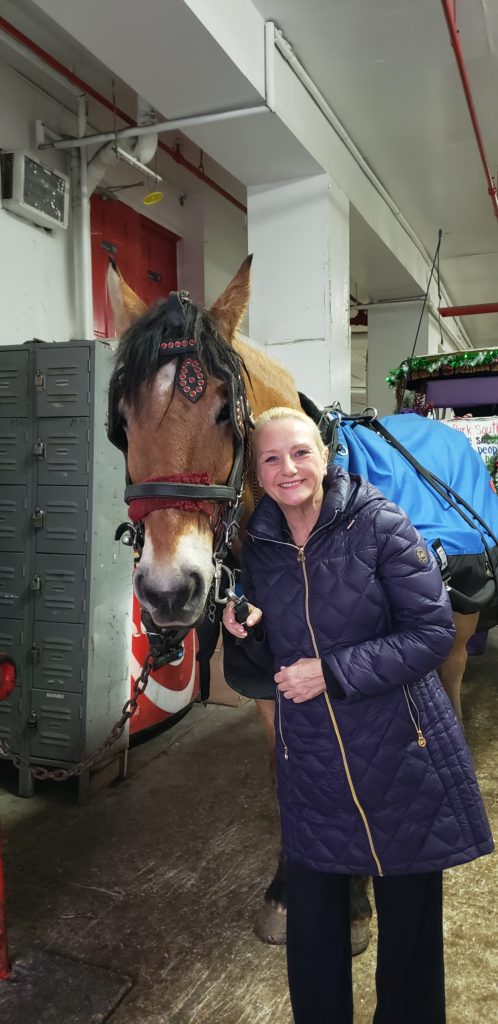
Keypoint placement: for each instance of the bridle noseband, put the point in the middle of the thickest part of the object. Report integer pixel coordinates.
(187, 492)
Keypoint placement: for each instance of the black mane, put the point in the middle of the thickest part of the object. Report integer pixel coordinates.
(139, 354)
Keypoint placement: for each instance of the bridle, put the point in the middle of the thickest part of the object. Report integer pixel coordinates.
(186, 492)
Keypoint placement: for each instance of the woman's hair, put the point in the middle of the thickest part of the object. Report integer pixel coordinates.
(281, 412)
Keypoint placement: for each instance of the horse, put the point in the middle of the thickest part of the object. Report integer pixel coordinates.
(181, 397)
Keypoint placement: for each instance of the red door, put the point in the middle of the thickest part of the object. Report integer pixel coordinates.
(146, 256)
(145, 253)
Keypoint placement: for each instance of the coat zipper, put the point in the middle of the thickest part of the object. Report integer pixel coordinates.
(302, 559)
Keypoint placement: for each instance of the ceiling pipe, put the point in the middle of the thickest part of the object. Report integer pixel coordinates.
(144, 148)
(108, 156)
(135, 131)
(83, 237)
(490, 307)
(449, 13)
(174, 152)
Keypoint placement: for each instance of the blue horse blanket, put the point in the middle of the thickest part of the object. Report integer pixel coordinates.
(445, 452)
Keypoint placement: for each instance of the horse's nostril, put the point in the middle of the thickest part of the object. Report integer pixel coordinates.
(195, 586)
(146, 594)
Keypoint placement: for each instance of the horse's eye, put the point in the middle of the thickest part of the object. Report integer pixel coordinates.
(224, 414)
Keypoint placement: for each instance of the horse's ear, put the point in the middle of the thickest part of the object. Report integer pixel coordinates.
(230, 307)
(125, 303)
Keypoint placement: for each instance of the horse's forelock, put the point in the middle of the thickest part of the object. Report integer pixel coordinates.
(139, 353)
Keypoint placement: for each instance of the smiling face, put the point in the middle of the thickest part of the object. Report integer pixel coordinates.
(291, 466)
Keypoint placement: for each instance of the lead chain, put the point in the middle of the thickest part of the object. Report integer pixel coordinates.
(61, 774)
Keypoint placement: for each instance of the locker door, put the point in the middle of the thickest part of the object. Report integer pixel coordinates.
(65, 458)
(58, 656)
(60, 520)
(10, 719)
(62, 380)
(13, 584)
(12, 642)
(56, 729)
(60, 593)
(15, 456)
(12, 518)
(14, 383)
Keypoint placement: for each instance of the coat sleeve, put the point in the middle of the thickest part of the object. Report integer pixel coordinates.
(422, 631)
(254, 650)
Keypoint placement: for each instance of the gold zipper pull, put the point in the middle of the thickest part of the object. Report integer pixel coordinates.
(422, 742)
(300, 555)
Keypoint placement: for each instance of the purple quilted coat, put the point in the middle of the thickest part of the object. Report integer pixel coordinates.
(374, 776)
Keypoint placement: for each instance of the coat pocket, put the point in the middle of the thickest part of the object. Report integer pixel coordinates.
(414, 714)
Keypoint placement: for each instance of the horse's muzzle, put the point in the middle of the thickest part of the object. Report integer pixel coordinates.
(181, 606)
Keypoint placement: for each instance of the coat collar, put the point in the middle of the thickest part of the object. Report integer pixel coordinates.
(342, 492)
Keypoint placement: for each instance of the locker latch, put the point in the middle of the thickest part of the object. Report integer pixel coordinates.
(35, 651)
(39, 380)
(38, 449)
(38, 518)
(35, 583)
(32, 720)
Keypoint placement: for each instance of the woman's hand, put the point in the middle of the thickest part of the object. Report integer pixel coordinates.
(238, 629)
(302, 680)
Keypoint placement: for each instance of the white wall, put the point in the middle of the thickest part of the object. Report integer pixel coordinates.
(36, 266)
(391, 330)
(225, 244)
(299, 233)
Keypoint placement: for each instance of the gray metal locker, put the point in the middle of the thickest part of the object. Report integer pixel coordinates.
(65, 586)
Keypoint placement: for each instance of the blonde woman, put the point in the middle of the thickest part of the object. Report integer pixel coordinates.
(374, 776)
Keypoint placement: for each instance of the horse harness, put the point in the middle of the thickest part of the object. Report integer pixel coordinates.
(190, 491)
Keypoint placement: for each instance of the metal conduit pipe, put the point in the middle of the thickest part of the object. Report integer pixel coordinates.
(174, 152)
(162, 126)
(84, 237)
(455, 42)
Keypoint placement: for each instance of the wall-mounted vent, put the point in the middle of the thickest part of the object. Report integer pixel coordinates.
(33, 191)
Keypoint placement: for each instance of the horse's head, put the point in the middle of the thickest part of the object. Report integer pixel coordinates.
(178, 410)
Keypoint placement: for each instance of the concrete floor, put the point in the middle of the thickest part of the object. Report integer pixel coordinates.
(159, 877)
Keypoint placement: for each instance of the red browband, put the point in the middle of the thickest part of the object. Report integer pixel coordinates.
(139, 508)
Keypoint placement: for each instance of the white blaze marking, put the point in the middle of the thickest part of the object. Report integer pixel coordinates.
(165, 571)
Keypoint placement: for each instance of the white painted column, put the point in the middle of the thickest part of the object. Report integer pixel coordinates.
(392, 327)
(299, 234)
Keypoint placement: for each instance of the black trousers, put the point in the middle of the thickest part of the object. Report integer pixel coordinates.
(410, 966)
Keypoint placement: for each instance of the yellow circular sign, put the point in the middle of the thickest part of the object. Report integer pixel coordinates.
(153, 197)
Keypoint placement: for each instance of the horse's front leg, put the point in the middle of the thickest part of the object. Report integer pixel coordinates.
(271, 922)
(453, 668)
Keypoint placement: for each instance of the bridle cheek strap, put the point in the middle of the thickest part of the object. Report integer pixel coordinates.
(139, 508)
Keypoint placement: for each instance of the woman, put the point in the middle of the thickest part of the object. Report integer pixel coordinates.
(374, 777)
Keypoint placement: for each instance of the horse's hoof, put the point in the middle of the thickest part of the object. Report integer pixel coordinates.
(360, 935)
(271, 924)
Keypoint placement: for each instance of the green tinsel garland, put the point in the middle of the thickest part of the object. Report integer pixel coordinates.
(433, 365)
